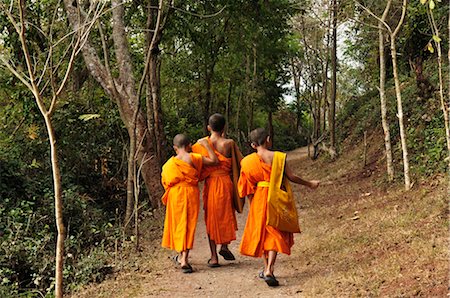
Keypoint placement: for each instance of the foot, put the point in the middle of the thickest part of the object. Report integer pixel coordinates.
(212, 264)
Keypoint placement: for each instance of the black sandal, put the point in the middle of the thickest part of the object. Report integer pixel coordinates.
(187, 269)
(271, 281)
(227, 255)
(213, 265)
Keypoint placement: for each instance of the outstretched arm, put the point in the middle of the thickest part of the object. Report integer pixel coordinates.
(212, 160)
(296, 179)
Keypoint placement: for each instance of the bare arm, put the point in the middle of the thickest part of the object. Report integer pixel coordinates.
(212, 160)
(296, 179)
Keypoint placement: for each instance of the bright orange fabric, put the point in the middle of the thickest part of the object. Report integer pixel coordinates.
(258, 237)
(220, 217)
(182, 200)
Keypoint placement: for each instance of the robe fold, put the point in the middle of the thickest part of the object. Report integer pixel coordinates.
(182, 200)
(220, 217)
(259, 238)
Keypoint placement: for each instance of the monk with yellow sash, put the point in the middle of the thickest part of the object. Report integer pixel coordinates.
(180, 176)
(218, 191)
(272, 217)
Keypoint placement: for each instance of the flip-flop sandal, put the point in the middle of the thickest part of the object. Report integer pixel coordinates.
(213, 265)
(271, 281)
(227, 255)
(261, 275)
(175, 260)
(187, 269)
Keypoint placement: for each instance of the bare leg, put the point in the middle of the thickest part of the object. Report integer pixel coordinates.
(270, 263)
(213, 248)
(184, 260)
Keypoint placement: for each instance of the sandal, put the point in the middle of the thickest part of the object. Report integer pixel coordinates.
(175, 260)
(271, 281)
(227, 255)
(213, 265)
(187, 269)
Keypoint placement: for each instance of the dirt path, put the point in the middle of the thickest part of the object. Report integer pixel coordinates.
(359, 238)
(233, 279)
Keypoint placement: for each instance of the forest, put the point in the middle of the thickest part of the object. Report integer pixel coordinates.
(92, 93)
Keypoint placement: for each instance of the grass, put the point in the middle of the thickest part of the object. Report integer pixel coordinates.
(389, 243)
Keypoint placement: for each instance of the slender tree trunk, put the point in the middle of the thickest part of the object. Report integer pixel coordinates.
(228, 104)
(155, 82)
(58, 208)
(448, 100)
(207, 104)
(270, 123)
(298, 112)
(384, 120)
(332, 109)
(236, 127)
(400, 114)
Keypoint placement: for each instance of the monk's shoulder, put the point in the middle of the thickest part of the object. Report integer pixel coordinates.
(249, 159)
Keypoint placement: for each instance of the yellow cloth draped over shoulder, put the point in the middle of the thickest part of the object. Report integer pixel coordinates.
(220, 217)
(258, 237)
(182, 200)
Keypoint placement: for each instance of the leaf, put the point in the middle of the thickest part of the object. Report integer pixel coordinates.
(430, 47)
(437, 38)
(87, 117)
(423, 1)
(432, 5)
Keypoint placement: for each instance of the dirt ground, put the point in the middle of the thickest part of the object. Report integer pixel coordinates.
(358, 239)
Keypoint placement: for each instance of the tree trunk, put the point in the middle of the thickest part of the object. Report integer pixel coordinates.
(238, 111)
(122, 90)
(270, 124)
(448, 101)
(228, 105)
(332, 109)
(384, 120)
(59, 289)
(400, 114)
(155, 83)
(207, 103)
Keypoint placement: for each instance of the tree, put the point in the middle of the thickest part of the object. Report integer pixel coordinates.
(48, 67)
(116, 74)
(393, 36)
(332, 110)
(382, 91)
(444, 105)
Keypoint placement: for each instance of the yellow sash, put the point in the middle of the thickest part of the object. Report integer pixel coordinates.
(281, 210)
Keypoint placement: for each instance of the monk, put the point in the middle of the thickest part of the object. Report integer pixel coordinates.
(260, 239)
(180, 176)
(220, 217)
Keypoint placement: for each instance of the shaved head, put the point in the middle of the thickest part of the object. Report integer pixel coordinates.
(181, 141)
(216, 122)
(258, 136)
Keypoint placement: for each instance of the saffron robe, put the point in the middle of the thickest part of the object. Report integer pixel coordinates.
(182, 200)
(259, 238)
(220, 217)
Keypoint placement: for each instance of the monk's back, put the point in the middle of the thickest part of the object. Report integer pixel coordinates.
(222, 145)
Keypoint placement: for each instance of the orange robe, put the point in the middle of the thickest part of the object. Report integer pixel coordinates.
(259, 238)
(220, 217)
(182, 200)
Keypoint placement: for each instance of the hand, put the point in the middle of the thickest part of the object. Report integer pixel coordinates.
(313, 184)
